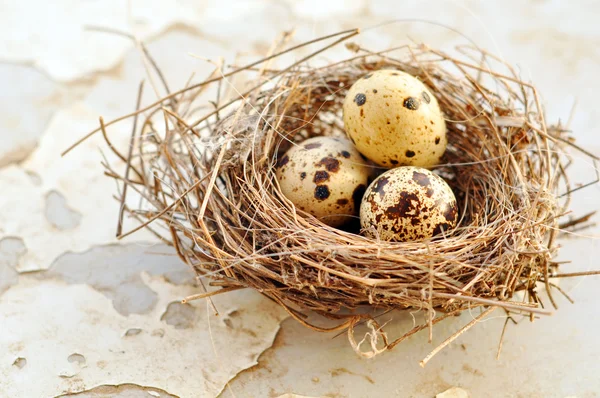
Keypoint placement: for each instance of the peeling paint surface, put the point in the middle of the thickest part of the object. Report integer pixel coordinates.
(85, 315)
(77, 340)
(116, 271)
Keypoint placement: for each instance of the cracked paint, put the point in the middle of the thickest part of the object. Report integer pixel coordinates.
(180, 315)
(80, 181)
(79, 341)
(79, 177)
(116, 272)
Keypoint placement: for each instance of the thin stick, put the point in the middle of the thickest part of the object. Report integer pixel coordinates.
(575, 274)
(578, 220)
(163, 211)
(200, 296)
(501, 342)
(561, 290)
(510, 305)
(456, 335)
(417, 329)
(128, 162)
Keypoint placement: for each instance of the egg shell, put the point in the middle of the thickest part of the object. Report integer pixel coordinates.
(326, 177)
(408, 204)
(395, 120)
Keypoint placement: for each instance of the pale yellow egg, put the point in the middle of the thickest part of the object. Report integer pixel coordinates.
(326, 177)
(394, 120)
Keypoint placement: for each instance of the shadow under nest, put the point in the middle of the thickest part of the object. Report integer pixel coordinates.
(208, 188)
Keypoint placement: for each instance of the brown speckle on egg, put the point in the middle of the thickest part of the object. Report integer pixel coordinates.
(411, 103)
(408, 205)
(345, 154)
(313, 145)
(437, 140)
(451, 213)
(320, 176)
(303, 175)
(360, 99)
(330, 163)
(322, 192)
(421, 178)
(380, 185)
(409, 153)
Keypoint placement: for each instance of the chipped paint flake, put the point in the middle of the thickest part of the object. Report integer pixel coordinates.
(58, 213)
(11, 249)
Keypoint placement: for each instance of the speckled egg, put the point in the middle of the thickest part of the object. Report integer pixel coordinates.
(326, 177)
(408, 204)
(394, 120)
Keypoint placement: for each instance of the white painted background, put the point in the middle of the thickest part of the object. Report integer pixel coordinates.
(79, 312)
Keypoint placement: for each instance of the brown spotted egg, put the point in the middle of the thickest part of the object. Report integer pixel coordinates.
(408, 204)
(326, 177)
(394, 120)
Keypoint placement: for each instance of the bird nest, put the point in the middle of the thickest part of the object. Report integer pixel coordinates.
(208, 188)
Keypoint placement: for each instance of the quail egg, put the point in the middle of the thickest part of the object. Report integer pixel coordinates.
(408, 204)
(394, 120)
(326, 177)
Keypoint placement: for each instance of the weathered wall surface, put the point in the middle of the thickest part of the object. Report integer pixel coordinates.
(83, 314)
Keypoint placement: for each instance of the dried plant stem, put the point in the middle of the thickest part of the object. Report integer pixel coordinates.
(456, 335)
(128, 162)
(575, 274)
